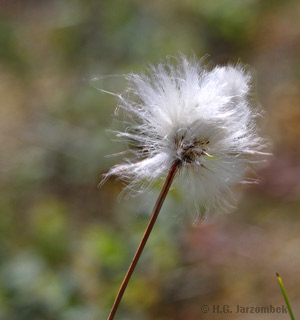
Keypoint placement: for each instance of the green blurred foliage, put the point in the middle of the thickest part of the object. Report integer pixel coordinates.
(65, 245)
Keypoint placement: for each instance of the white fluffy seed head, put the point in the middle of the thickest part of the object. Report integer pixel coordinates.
(200, 117)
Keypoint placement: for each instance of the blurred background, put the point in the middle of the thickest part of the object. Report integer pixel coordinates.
(65, 244)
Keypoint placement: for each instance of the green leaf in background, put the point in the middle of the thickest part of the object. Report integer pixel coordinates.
(286, 299)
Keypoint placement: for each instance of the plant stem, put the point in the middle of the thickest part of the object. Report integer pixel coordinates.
(159, 202)
(285, 296)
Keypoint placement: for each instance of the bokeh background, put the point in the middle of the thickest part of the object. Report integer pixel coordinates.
(65, 244)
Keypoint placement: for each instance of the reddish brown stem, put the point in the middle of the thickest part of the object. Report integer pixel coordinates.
(155, 212)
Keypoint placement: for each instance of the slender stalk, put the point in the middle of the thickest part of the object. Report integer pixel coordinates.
(159, 202)
(285, 296)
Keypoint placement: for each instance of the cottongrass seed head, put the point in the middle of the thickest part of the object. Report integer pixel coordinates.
(199, 117)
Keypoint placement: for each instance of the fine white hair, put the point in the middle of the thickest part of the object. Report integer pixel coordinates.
(201, 117)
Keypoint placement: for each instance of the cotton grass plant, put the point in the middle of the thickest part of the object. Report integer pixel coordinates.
(189, 124)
